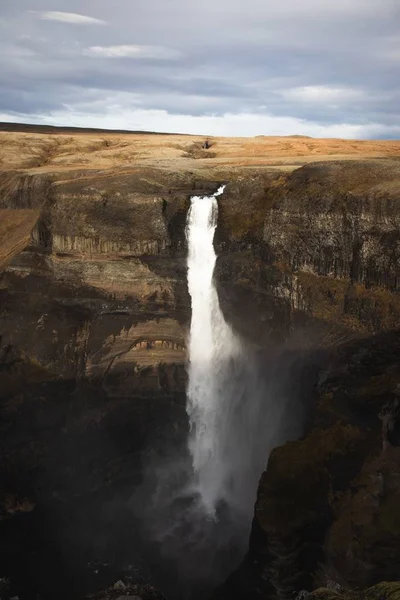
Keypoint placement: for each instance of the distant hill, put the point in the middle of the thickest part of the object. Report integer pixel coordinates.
(29, 128)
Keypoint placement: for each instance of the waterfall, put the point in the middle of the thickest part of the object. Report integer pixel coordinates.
(197, 502)
(212, 351)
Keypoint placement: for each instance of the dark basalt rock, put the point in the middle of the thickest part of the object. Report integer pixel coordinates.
(328, 504)
(318, 246)
(94, 316)
(122, 590)
(386, 591)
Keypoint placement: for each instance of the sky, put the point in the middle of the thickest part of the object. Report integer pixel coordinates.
(324, 68)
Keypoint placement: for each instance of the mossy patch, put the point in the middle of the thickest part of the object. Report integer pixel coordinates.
(323, 296)
(353, 305)
(376, 308)
(298, 484)
(382, 591)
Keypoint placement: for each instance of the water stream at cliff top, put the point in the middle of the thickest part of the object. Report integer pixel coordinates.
(213, 348)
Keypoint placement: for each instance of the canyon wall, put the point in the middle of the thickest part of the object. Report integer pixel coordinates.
(323, 266)
(94, 321)
(317, 249)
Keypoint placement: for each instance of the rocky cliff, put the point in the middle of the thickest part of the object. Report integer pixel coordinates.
(317, 246)
(93, 325)
(325, 263)
(94, 314)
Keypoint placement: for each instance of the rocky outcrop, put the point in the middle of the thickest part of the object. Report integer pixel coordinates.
(322, 268)
(121, 591)
(93, 324)
(73, 452)
(327, 507)
(15, 232)
(83, 278)
(387, 590)
(339, 220)
(321, 252)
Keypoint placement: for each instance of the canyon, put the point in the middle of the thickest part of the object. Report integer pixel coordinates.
(94, 322)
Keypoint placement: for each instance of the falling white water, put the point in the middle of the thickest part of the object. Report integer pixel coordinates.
(212, 348)
(198, 509)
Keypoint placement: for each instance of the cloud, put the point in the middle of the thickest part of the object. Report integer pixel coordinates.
(309, 67)
(129, 51)
(323, 93)
(113, 115)
(66, 17)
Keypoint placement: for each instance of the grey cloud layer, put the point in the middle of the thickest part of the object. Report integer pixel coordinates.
(328, 62)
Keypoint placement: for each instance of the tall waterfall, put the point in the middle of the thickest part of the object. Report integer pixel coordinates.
(212, 351)
(197, 502)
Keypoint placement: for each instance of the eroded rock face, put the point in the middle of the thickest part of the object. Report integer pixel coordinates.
(82, 279)
(94, 318)
(387, 590)
(122, 590)
(93, 324)
(327, 506)
(321, 253)
(324, 268)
